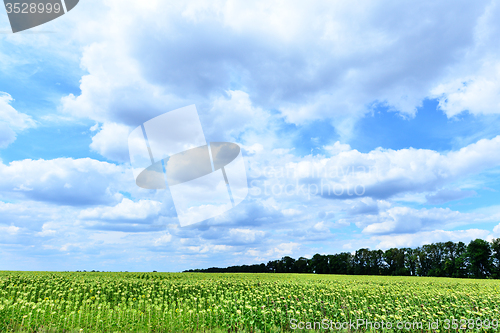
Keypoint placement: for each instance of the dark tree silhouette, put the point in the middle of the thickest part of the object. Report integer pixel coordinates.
(479, 259)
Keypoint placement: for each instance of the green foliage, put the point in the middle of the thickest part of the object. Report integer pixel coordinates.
(479, 253)
(197, 302)
(479, 259)
(495, 259)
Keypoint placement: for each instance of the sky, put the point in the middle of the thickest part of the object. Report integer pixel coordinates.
(363, 124)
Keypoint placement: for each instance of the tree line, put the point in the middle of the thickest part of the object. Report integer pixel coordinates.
(478, 259)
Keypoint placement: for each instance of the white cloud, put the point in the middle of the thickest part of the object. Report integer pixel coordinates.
(428, 237)
(245, 235)
(112, 142)
(12, 230)
(478, 94)
(274, 252)
(384, 173)
(208, 248)
(46, 229)
(232, 116)
(165, 239)
(472, 84)
(115, 91)
(321, 227)
(337, 148)
(290, 212)
(7, 135)
(445, 195)
(309, 61)
(285, 249)
(11, 121)
(64, 181)
(253, 149)
(496, 230)
(408, 220)
(248, 67)
(125, 210)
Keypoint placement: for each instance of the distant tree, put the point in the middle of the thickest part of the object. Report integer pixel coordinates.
(341, 263)
(361, 262)
(449, 259)
(272, 266)
(479, 259)
(495, 247)
(376, 262)
(461, 261)
(302, 265)
(423, 263)
(479, 253)
(395, 260)
(287, 264)
(411, 261)
(435, 255)
(319, 264)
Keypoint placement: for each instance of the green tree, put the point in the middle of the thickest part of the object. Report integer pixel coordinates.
(302, 265)
(395, 260)
(376, 262)
(495, 246)
(288, 263)
(361, 261)
(436, 256)
(479, 253)
(341, 263)
(411, 260)
(319, 264)
(461, 261)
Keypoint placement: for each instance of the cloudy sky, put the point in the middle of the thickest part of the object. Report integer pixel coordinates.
(362, 124)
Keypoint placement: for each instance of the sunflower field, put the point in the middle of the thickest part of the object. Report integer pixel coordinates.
(204, 302)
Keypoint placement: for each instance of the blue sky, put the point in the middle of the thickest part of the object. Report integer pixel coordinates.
(398, 101)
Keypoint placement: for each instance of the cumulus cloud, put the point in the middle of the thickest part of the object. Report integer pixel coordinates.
(364, 206)
(476, 94)
(380, 174)
(11, 120)
(399, 220)
(233, 116)
(337, 148)
(125, 210)
(428, 237)
(496, 230)
(7, 135)
(383, 173)
(245, 235)
(332, 61)
(472, 85)
(273, 252)
(165, 239)
(446, 195)
(115, 90)
(9, 230)
(112, 142)
(63, 181)
(257, 73)
(47, 231)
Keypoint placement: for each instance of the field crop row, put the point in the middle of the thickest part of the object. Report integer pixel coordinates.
(196, 302)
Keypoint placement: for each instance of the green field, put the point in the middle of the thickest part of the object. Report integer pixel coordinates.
(196, 302)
